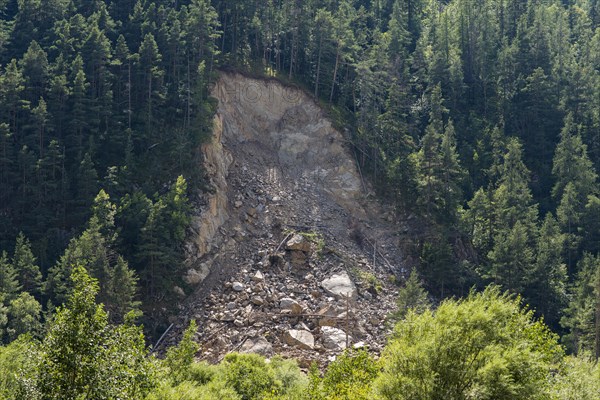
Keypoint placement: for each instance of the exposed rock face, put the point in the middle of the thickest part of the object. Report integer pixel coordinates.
(275, 238)
(340, 285)
(290, 124)
(217, 161)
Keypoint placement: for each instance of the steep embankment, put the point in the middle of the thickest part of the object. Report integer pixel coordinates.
(286, 233)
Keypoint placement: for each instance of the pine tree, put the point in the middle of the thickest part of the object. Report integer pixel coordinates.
(582, 316)
(79, 105)
(438, 165)
(12, 85)
(95, 251)
(9, 283)
(34, 66)
(511, 257)
(150, 74)
(571, 164)
(547, 291)
(24, 262)
(411, 297)
(121, 292)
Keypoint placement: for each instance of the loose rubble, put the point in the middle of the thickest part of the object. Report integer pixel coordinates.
(299, 258)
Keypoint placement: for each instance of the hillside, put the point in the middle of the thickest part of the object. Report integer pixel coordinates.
(415, 178)
(287, 212)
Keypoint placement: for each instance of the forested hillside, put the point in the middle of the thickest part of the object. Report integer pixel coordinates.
(478, 120)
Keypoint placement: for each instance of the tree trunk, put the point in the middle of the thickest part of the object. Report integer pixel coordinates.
(335, 69)
(318, 66)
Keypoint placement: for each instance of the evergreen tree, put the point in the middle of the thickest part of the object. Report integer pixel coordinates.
(439, 169)
(95, 251)
(24, 263)
(571, 164)
(582, 314)
(547, 291)
(412, 297)
(9, 283)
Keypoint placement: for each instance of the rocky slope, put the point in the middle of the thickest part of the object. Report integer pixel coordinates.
(289, 255)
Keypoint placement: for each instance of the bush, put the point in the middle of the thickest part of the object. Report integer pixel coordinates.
(483, 347)
(250, 376)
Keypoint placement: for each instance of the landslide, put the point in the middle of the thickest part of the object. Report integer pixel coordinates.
(288, 211)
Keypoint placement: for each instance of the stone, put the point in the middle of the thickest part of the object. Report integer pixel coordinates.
(299, 243)
(290, 304)
(299, 338)
(178, 291)
(258, 345)
(334, 338)
(340, 286)
(258, 277)
(328, 316)
(238, 286)
(238, 204)
(298, 258)
(257, 300)
(227, 317)
(194, 277)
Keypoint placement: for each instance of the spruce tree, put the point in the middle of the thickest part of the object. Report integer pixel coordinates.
(411, 297)
(25, 264)
(9, 282)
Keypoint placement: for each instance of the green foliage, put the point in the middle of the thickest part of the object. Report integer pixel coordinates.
(411, 297)
(9, 284)
(24, 313)
(483, 347)
(577, 379)
(83, 357)
(24, 262)
(180, 358)
(17, 363)
(250, 376)
(581, 314)
(350, 376)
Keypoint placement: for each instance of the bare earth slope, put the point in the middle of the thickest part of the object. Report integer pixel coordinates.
(288, 254)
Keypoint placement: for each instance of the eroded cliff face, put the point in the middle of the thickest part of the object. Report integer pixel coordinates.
(287, 133)
(217, 161)
(285, 122)
(285, 233)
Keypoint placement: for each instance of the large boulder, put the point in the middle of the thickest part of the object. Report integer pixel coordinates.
(340, 286)
(290, 304)
(298, 243)
(258, 345)
(334, 338)
(328, 316)
(299, 338)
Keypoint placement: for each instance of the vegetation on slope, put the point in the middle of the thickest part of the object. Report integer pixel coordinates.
(479, 118)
